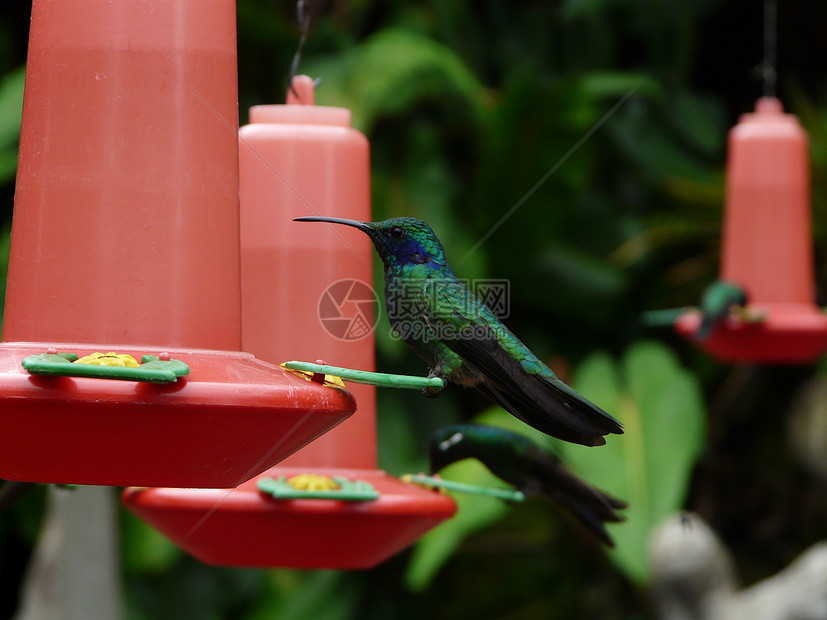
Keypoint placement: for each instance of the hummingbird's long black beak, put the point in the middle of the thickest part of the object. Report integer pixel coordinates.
(363, 226)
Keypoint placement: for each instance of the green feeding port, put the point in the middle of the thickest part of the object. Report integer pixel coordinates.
(152, 368)
(511, 496)
(379, 379)
(336, 487)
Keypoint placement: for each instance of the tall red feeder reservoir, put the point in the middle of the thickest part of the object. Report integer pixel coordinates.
(306, 294)
(767, 245)
(125, 239)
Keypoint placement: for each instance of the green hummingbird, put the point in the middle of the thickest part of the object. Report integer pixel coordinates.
(462, 340)
(515, 459)
(718, 299)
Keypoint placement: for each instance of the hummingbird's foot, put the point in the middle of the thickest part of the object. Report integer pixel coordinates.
(431, 392)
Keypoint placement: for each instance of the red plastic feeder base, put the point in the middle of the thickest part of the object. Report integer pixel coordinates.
(788, 334)
(250, 528)
(232, 417)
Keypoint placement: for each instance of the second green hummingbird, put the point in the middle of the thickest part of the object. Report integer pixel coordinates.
(464, 342)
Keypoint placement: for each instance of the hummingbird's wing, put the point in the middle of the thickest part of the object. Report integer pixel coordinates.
(512, 375)
(550, 418)
(591, 507)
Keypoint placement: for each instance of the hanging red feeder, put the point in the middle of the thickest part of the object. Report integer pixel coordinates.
(125, 239)
(245, 527)
(306, 293)
(767, 245)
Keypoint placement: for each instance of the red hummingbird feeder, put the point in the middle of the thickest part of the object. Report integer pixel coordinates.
(767, 245)
(306, 293)
(125, 239)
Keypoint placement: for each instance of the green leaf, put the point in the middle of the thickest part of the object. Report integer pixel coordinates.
(144, 548)
(646, 139)
(617, 84)
(573, 9)
(699, 120)
(11, 107)
(595, 288)
(391, 72)
(8, 163)
(661, 407)
(308, 595)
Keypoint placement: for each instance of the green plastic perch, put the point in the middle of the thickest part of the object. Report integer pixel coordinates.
(508, 495)
(379, 379)
(663, 318)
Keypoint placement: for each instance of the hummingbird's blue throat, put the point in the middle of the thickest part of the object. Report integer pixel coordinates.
(412, 253)
(420, 259)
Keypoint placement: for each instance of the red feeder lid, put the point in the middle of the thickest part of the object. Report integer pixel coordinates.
(246, 527)
(767, 245)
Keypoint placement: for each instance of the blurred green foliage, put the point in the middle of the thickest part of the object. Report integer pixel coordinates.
(661, 407)
(11, 107)
(600, 127)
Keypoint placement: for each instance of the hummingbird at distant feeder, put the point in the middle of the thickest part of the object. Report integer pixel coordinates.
(463, 341)
(718, 299)
(518, 461)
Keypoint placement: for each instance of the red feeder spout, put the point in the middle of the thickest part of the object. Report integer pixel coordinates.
(767, 244)
(306, 294)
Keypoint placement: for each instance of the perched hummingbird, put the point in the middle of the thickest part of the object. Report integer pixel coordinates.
(718, 299)
(462, 340)
(517, 460)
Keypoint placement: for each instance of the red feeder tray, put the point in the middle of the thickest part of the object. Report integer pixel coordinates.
(245, 527)
(767, 245)
(232, 417)
(793, 334)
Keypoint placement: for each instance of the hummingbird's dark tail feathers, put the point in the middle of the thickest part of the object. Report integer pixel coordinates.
(538, 397)
(591, 507)
(596, 416)
(522, 385)
(554, 423)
